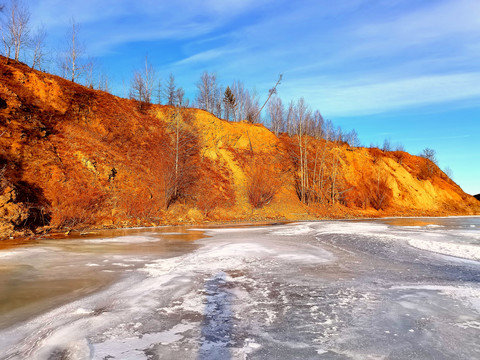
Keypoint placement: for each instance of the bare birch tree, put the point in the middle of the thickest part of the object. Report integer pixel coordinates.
(38, 47)
(18, 27)
(207, 96)
(180, 162)
(103, 82)
(301, 117)
(247, 102)
(180, 99)
(72, 65)
(276, 113)
(16, 31)
(143, 83)
(290, 118)
(352, 138)
(318, 125)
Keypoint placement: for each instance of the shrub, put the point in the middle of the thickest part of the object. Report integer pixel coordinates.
(261, 186)
(77, 205)
(374, 192)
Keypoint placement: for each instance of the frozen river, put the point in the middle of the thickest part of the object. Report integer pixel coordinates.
(379, 289)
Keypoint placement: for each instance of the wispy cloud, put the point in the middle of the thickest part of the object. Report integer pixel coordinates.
(110, 23)
(336, 100)
(204, 57)
(429, 23)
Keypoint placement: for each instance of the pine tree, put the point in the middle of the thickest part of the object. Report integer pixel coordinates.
(230, 103)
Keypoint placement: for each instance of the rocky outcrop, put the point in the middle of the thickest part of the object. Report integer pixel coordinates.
(12, 214)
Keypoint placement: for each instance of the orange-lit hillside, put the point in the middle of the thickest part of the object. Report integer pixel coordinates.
(72, 157)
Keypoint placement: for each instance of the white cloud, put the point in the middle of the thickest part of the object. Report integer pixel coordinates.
(108, 23)
(371, 98)
(443, 21)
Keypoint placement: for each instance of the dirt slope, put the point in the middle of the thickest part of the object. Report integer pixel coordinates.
(73, 157)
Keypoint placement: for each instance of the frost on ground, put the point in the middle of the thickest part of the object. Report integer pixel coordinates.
(330, 290)
(466, 251)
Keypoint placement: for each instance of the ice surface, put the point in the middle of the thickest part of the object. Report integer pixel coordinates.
(333, 290)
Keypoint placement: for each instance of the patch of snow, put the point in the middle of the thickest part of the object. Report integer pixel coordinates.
(466, 251)
(301, 229)
(82, 311)
(132, 347)
(122, 240)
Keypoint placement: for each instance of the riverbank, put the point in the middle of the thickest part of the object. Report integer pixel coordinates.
(25, 237)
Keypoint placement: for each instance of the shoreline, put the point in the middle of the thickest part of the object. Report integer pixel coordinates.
(14, 242)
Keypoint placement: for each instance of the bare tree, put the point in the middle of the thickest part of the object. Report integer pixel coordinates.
(150, 79)
(159, 92)
(352, 138)
(72, 65)
(16, 31)
(89, 73)
(143, 83)
(180, 97)
(181, 163)
(218, 101)
(428, 167)
(448, 171)
(318, 125)
(247, 102)
(290, 118)
(103, 82)
(301, 116)
(276, 113)
(207, 96)
(38, 47)
(399, 147)
(386, 145)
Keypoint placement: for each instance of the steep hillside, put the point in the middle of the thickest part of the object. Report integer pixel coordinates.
(73, 157)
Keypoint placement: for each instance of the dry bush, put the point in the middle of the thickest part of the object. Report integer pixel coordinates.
(358, 197)
(209, 202)
(77, 205)
(399, 156)
(373, 192)
(376, 154)
(380, 193)
(214, 189)
(143, 207)
(428, 165)
(262, 185)
(427, 169)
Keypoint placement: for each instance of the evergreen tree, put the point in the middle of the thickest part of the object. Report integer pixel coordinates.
(230, 103)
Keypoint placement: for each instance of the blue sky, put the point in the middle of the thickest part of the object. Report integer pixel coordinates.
(406, 70)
